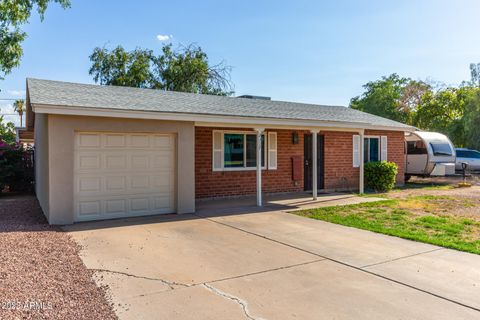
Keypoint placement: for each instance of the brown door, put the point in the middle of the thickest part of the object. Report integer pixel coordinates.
(308, 168)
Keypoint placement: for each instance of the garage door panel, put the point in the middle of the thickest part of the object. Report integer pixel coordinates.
(162, 162)
(115, 140)
(162, 141)
(88, 140)
(88, 161)
(116, 206)
(89, 184)
(121, 175)
(140, 161)
(115, 184)
(139, 182)
(160, 203)
(139, 204)
(115, 162)
(89, 208)
(139, 141)
(162, 180)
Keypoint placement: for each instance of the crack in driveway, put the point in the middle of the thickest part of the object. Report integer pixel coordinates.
(400, 258)
(242, 303)
(170, 284)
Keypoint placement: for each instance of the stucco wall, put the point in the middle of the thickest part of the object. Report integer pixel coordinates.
(61, 150)
(41, 162)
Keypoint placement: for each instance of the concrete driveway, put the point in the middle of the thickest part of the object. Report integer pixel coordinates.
(273, 265)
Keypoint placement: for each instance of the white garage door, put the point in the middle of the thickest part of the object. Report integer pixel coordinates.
(123, 175)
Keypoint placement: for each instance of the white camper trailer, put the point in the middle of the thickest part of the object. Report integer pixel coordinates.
(429, 154)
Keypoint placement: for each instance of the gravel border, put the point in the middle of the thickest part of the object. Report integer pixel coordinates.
(41, 273)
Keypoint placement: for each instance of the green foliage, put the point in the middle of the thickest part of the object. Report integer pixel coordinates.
(442, 111)
(13, 15)
(380, 176)
(19, 107)
(16, 167)
(471, 120)
(186, 70)
(391, 97)
(475, 74)
(453, 111)
(408, 219)
(7, 131)
(122, 68)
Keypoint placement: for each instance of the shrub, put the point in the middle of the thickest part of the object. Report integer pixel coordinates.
(16, 168)
(380, 176)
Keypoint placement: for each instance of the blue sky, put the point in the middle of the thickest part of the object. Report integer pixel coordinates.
(309, 51)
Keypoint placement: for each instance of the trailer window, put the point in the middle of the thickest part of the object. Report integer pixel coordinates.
(416, 147)
(441, 149)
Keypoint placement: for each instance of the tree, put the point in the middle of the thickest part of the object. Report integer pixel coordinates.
(443, 111)
(13, 15)
(471, 119)
(19, 107)
(7, 131)
(186, 69)
(475, 74)
(122, 68)
(391, 97)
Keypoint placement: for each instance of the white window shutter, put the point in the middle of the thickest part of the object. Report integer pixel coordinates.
(384, 148)
(356, 151)
(217, 145)
(272, 150)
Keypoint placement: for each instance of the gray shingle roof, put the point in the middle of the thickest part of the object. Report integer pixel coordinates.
(48, 92)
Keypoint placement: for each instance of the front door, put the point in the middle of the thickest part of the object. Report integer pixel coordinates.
(308, 163)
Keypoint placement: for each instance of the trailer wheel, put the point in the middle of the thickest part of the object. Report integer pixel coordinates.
(407, 177)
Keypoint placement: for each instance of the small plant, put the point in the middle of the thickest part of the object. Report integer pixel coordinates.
(380, 176)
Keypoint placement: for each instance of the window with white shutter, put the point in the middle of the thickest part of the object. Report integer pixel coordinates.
(272, 150)
(237, 150)
(217, 150)
(356, 151)
(384, 148)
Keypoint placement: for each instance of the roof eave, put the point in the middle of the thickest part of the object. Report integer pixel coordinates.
(211, 120)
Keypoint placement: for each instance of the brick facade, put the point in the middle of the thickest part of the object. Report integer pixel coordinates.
(339, 171)
(210, 184)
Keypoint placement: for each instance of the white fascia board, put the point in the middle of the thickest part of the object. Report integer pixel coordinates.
(211, 120)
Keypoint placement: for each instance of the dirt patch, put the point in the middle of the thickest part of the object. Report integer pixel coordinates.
(449, 199)
(41, 274)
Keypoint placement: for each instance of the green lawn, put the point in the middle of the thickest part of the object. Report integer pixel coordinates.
(420, 218)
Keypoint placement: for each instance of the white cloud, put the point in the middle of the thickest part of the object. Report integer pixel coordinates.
(16, 93)
(164, 37)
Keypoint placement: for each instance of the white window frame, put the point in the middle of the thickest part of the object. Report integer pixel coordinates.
(379, 148)
(244, 132)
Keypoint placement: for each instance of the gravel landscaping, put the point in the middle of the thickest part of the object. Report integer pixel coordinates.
(41, 274)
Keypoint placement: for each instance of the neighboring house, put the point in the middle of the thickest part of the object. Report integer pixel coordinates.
(106, 152)
(24, 136)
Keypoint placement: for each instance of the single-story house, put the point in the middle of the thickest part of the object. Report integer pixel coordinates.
(107, 152)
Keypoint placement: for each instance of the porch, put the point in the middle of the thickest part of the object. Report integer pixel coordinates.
(232, 162)
(277, 202)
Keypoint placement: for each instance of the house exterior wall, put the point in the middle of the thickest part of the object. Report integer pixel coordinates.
(396, 150)
(211, 184)
(61, 132)
(339, 173)
(41, 162)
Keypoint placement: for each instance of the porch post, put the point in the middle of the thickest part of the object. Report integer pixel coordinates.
(314, 164)
(362, 161)
(259, 166)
